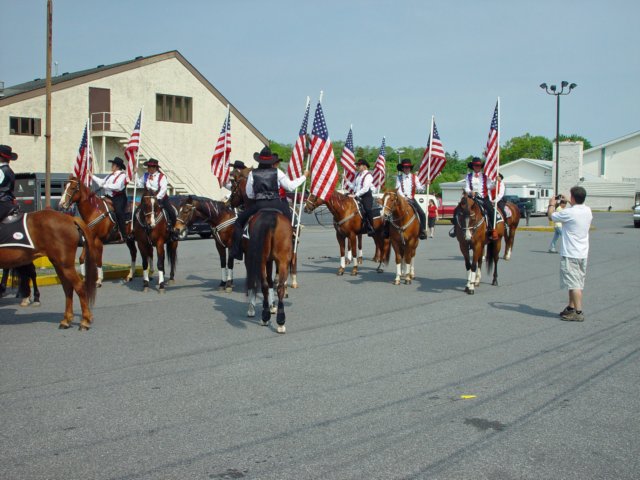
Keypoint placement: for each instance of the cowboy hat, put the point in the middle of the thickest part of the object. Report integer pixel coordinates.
(7, 154)
(118, 162)
(152, 162)
(238, 164)
(475, 162)
(362, 161)
(265, 157)
(405, 162)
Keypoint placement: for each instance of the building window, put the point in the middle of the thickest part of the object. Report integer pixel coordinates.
(602, 157)
(24, 126)
(171, 108)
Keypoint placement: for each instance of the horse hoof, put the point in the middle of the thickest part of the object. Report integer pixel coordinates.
(494, 283)
(145, 289)
(251, 312)
(471, 292)
(228, 289)
(98, 284)
(379, 270)
(221, 288)
(36, 303)
(264, 323)
(294, 285)
(407, 281)
(273, 309)
(25, 302)
(281, 329)
(84, 327)
(396, 282)
(340, 272)
(354, 272)
(64, 325)
(359, 260)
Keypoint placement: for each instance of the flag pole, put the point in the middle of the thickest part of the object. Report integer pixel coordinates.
(429, 159)
(224, 151)
(295, 195)
(304, 185)
(88, 155)
(135, 173)
(495, 203)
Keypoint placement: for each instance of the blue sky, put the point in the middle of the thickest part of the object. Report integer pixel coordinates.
(384, 66)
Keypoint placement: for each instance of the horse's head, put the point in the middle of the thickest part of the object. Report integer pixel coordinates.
(390, 204)
(312, 202)
(72, 192)
(238, 188)
(468, 216)
(186, 214)
(150, 207)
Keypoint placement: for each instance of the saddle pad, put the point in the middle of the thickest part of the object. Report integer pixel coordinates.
(15, 234)
(507, 211)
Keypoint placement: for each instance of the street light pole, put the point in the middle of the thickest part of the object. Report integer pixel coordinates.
(553, 90)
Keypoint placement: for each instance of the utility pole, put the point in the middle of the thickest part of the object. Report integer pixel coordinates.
(47, 135)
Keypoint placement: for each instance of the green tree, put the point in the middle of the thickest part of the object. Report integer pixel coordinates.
(526, 146)
(576, 138)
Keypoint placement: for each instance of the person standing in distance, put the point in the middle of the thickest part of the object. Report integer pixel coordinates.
(576, 221)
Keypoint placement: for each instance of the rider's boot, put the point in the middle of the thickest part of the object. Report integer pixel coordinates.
(423, 234)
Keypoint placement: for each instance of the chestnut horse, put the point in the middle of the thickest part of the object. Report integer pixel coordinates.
(512, 223)
(21, 276)
(270, 242)
(471, 229)
(348, 223)
(98, 214)
(150, 229)
(221, 218)
(404, 234)
(57, 236)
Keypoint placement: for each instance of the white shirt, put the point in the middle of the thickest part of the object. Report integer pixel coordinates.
(405, 183)
(112, 183)
(576, 221)
(362, 183)
(155, 181)
(283, 181)
(473, 183)
(500, 194)
(1, 172)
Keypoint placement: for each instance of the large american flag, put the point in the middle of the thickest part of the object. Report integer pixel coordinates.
(431, 166)
(348, 161)
(220, 161)
(296, 164)
(131, 150)
(83, 166)
(324, 171)
(379, 171)
(492, 154)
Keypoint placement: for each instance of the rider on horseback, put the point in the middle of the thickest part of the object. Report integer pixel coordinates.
(115, 189)
(263, 185)
(7, 181)
(407, 184)
(361, 187)
(157, 181)
(496, 194)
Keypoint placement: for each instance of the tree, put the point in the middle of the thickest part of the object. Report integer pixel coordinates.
(576, 138)
(526, 146)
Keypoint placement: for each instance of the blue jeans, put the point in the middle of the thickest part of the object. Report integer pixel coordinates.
(557, 233)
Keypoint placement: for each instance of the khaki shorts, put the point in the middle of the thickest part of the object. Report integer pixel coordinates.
(572, 273)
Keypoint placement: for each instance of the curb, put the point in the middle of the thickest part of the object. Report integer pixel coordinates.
(115, 271)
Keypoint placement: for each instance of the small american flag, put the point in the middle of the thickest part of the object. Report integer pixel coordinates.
(379, 172)
(296, 164)
(220, 161)
(493, 148)
(348, 161)
(431, 167)
(324, 171)
(132, 149)
(83, 166)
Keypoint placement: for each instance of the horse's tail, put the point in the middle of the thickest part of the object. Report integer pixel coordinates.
(265, 223)
(90, 267)
(492, 255)
(172, 252)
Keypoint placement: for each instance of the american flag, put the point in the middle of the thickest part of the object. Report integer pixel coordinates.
(493, 148)
(324, 171)
(348, 161)
(132, 149)
(379, 172)
(431, 167)
(83, 166)
(220, 161)
(296, 164)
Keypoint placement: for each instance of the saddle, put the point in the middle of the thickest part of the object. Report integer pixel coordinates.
(245, 230)
(14, 233)
(376, 209)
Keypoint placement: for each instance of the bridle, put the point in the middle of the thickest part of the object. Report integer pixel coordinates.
(468, 215)
(66, 196)
(387, 213)
(154, 206)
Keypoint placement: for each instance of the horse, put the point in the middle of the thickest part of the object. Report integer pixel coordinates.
(21, 276)
(348, 222)
(471, 229)
(512, 224)
(150, 229)
(270, 242)
(404, 234)
(57, 236)
(238, 198)
(221, 217)
(98, 214)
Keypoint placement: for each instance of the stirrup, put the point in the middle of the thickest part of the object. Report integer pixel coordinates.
(452, 232)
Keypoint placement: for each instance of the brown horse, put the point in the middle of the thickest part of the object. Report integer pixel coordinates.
(150, 229)
(99, 215)
(57, 236)
(404, 234)
(270, 242)
(471, 229)
(239, 198)
(348, 223)
(221, 217)
(512, 225)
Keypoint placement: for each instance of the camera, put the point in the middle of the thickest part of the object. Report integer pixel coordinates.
(558, 198)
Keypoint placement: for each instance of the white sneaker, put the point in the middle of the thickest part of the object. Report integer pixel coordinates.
(552, 250)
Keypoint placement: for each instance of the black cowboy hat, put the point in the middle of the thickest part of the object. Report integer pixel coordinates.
(501, 177)
(265, 157)
(239, 165)
(362, 161)
(6, 153)
(118, 162)
(475, 162)
(405, 162)
(152, 162)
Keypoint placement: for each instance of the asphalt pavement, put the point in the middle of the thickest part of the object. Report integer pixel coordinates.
(371, 380)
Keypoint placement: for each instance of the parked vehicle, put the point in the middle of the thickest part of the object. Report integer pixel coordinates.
(29, 190)
(636, 216)
(525, 205)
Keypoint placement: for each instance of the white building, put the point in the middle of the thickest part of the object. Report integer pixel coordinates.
(182, 117)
